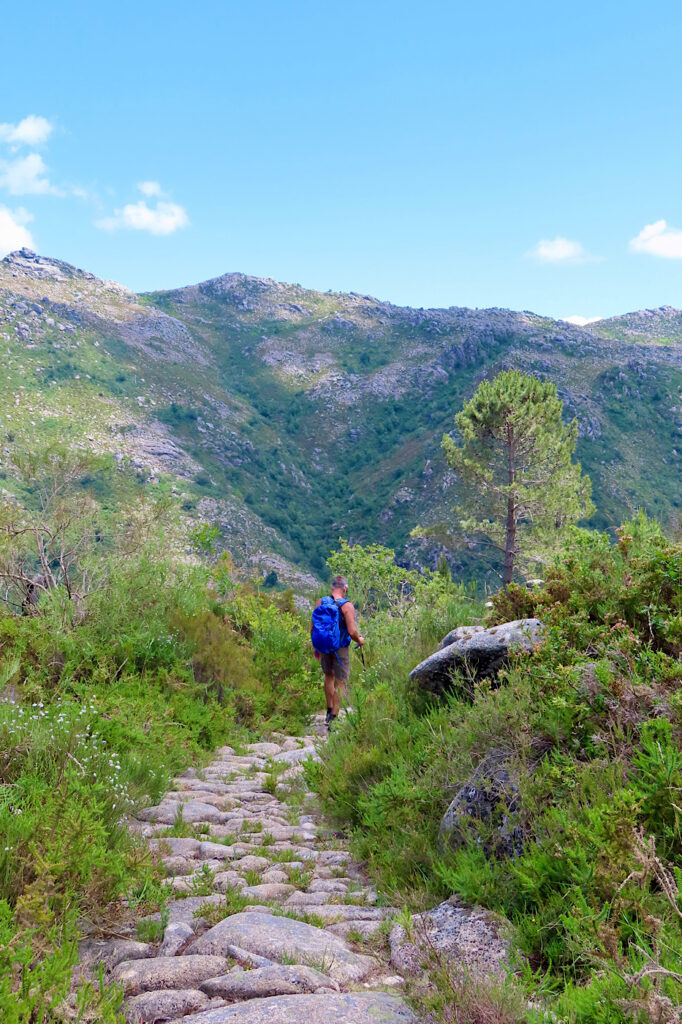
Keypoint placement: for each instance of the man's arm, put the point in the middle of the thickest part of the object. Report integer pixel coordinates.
(349, 615)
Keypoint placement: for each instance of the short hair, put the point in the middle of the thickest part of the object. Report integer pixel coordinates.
(339, 583)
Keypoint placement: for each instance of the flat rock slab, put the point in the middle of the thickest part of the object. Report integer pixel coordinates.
(204, 796)
(279, 937)
(268, 891)
(330, 1008)
(307, 899)
(179, 866)
(167, 972)
(267, 981)
(193, 810)
(347, 912)
(253, 863)
(223, 881)
(149, 1007)
(294, 756)
(175, 937)
(178, 847)
(364, 928)
(184, 910)
(110, 954)
(466, 936)
(246, 959)
(215, 851)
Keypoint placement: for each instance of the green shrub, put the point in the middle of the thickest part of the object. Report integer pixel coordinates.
(589, 728)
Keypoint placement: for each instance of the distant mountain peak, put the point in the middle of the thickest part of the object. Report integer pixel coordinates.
(27, 263)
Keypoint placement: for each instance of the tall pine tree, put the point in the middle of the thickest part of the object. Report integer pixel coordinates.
(519, 485)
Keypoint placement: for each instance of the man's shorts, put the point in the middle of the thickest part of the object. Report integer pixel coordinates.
(339, 667)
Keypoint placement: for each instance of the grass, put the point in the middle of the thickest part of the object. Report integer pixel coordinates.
(151, 931)
(284, 856)
(308, 917)
(301, 877)
(233, 903)
(182, 830)
(202, 881)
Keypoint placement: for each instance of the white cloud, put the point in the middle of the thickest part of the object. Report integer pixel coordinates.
(150, 188)
(580, 321)
(162, 219)
(31, 131)
(560, 251)
(658, 239)
(13, 231)
(25, 176)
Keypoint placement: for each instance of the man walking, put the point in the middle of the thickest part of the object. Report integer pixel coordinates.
(332, 629)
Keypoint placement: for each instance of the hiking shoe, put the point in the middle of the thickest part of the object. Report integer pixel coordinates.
(330, 722)
(328, 716)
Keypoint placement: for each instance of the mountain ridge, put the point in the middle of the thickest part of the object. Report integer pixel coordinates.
(290, 416)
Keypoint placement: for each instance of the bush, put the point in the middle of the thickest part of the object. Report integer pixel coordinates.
(590, 728)
(115, 690)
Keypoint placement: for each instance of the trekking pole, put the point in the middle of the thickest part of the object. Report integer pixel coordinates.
(362, 654)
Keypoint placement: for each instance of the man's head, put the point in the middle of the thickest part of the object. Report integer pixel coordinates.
(340, 584)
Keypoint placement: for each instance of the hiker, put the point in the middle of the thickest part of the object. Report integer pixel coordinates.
(331, 631)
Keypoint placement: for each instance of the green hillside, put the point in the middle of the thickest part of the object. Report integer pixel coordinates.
(290, 417)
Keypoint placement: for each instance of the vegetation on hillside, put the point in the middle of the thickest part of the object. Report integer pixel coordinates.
(128, 649)
(265, 406)
(589, 728)
(146, 662)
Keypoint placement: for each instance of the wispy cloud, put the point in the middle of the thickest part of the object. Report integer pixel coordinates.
(27, 176)
(659, 239)
(150, 188)
(560, 250)
(13, 231)
(161, 218)
(580, 321)
(31, 131)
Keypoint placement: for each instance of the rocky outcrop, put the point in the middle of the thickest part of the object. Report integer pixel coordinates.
(476, 652)
(490, 797)
(249, 379)
(466, 938)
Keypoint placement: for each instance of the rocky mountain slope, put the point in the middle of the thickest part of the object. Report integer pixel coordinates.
(290, 417)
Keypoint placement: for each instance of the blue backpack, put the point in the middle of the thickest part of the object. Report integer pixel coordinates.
(326, 632)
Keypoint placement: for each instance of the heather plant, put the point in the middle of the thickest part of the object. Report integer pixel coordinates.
(590, 729)
(125, 669)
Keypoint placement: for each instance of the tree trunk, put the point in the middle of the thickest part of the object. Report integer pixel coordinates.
(510, 539)
(510, 543)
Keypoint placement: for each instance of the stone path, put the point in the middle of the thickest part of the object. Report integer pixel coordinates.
(269, 920)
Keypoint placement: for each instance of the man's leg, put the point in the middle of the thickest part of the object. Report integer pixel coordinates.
(339, 696)
(330, 691)
(342, 674)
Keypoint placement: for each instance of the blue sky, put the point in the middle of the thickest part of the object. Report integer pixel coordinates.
(443, 153)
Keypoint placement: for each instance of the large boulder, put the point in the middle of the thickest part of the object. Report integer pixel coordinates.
(468, 938)
(490, 797)
(477, 652)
